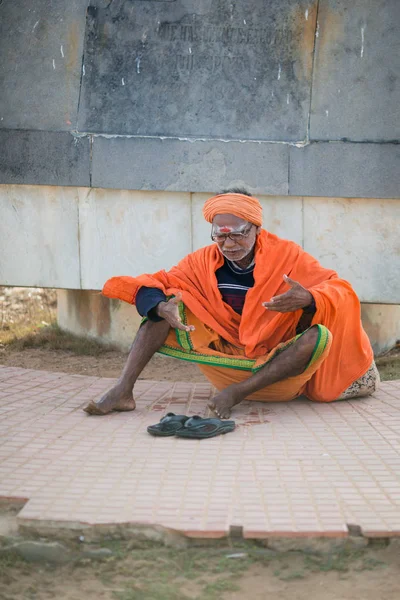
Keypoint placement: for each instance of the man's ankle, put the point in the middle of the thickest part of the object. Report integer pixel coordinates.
(125, 387)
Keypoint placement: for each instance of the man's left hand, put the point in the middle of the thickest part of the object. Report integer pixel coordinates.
(296, 298)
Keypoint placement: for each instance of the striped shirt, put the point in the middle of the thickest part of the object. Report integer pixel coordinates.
(233, 283)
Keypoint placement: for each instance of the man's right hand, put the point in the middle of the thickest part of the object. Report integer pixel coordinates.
(170, 312)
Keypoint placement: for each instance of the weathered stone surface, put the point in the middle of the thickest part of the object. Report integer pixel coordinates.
(359, 238)
(84, 312)
(8, 527)
(165, 164)
(356, 82)
(41, 46)
(39, 236)
(204, 68)
(129, 233)
(43, 157)
(33, 551)
(382, 324)
(345, 170)
(97, 553)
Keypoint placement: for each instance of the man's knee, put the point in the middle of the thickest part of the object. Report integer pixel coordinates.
(317, 334)
(311, 336)
(316, 343)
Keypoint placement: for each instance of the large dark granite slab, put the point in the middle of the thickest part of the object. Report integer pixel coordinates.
(44, 157)
(209, 68)
(154, 164)
(345, 170)
(41, 44)
(356, 86)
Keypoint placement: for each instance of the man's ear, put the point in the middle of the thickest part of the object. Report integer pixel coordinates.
(258, 230)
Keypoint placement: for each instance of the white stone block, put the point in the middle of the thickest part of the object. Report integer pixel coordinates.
(126, 232)
(360, 239)
(88, 313)
(39, 236)
(282, 216)
(382, 324)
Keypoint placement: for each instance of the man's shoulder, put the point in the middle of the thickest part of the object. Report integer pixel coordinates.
(280, 244)
(201, 252)
(198, 256)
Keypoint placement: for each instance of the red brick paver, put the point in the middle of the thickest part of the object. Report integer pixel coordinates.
(289, 469)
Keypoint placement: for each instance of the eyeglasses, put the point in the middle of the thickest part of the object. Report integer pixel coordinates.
(234, 236)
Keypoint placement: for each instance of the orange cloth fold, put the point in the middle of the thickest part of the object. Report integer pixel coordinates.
(259, 330)
(244, 207)
(225, 364)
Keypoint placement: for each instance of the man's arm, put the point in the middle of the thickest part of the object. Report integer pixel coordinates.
(311, 308)
(147, 300)
(153, 304)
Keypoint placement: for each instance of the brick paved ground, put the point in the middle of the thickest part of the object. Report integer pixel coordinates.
(290, 469)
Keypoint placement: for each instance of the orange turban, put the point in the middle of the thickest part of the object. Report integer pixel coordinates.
(241, 206)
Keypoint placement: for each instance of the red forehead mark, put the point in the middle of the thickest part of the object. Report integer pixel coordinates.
(225, 229)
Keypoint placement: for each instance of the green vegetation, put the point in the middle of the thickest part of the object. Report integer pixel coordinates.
(160, 573)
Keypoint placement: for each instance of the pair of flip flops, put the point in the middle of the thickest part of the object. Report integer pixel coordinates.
(190, 427)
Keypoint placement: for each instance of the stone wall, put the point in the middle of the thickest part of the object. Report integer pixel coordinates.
(287, 97)
(88, 313)
(118, 118)
(76, 238)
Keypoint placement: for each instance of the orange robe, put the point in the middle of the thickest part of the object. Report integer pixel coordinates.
(258, 331)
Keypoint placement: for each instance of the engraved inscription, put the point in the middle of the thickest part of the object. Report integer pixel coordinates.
(173, 32)
(150, 65)
(208, 63)
(238, 39)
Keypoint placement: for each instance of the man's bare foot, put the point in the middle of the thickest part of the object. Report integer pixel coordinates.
(115, 399)
(223, 402)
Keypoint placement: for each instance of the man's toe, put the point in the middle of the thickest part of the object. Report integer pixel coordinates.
(92, 409)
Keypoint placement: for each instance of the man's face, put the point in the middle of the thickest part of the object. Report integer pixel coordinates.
(243, 233)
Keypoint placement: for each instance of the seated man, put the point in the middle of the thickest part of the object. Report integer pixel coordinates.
(262, 318)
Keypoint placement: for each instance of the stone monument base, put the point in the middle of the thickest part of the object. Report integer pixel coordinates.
(88, 313)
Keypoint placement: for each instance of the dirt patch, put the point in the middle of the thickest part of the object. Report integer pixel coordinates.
(109, 364)
(23, 310)
(165, 574)
(30, 339)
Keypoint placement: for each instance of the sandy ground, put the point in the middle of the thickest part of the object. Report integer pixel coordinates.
(110, 364)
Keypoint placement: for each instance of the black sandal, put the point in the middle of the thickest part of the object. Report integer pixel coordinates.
(168, 425)
(198, 428)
